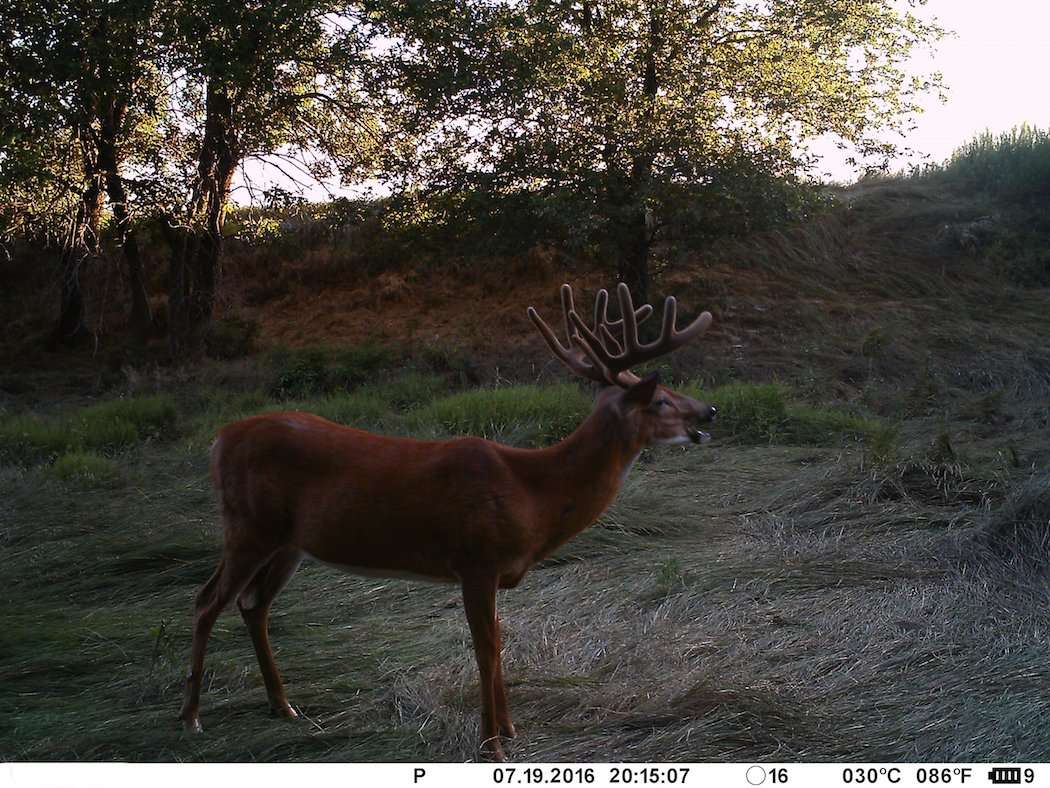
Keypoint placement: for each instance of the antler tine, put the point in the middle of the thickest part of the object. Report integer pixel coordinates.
(567, 306)
(669, 339)
(601, 302)
(576, 355)
(629, 318)
(601, 342)
(603, 326)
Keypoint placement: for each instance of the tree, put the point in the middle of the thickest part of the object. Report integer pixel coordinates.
(77, 82)
(634, 104)
(264, 80)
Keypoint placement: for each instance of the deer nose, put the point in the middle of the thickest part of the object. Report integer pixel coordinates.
(712, 411)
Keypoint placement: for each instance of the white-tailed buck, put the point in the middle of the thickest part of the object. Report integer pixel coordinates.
(466, 510)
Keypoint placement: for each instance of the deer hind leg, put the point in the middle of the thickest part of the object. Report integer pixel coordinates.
(503, 722)
(234, 572)
(254, 603)
(479, 602)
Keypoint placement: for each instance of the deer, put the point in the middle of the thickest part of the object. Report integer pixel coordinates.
(465, 511)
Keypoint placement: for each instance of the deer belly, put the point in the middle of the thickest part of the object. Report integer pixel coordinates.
(391, 573)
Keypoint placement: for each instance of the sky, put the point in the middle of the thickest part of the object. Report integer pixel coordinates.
(995, 67)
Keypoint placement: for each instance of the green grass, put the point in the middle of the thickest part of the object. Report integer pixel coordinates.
(764, 413)
(86, 468)
(354, 409)
(105, 428)
(524, 415)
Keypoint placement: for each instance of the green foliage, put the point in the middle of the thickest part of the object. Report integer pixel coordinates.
(105, 428)
(529, 415)
(1013, 165)
(600, 116)
(86, 469)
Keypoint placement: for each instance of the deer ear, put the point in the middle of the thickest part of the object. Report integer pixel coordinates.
(641, 393)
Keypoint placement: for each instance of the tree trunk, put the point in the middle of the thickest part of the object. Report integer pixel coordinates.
(196, 262)
(208, 257)
(78, 247)
(140, 319)
(178, 240)
(633, 263)
(628, 191)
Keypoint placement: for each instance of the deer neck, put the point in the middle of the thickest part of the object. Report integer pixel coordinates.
(579, 477)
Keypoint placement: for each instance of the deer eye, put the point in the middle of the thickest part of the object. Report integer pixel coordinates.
(661, 402)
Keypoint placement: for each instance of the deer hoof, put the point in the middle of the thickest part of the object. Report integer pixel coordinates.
(492, 750)
(192, 724)
(285, 712)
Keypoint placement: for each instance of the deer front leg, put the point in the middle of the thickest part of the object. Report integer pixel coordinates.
(479, 603)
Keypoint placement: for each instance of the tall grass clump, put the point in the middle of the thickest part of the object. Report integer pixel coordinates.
(529, 415)
(86, 469)
(751, 413)
(1013, 165)
(762, 413)
(354, 409)
(114, 425)
(1018, 531)
(27, 438)
(104, 428)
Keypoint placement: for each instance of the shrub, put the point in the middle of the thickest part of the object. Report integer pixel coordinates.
(320, 370)
(1014, 165)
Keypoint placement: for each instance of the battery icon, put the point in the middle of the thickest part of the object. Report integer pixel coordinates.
(1005, 775)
